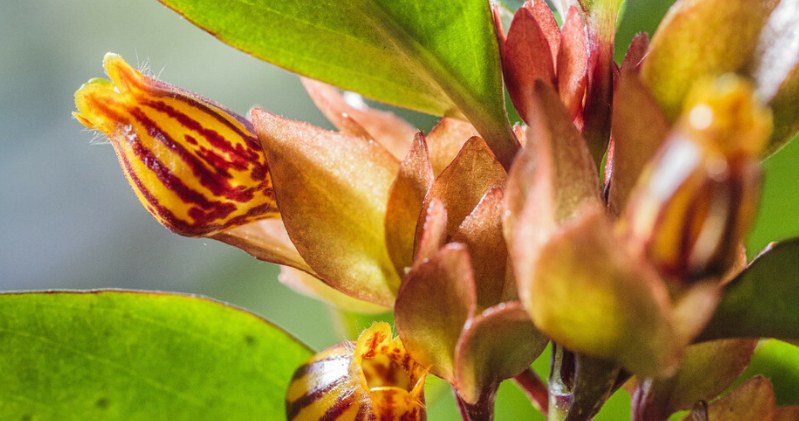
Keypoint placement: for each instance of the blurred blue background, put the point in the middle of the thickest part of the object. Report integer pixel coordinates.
(67, 216)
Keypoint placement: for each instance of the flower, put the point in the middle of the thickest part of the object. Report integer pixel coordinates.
(373, 378)
(195, 166)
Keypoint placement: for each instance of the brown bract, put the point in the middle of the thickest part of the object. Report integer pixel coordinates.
(464, 182)
(706, 370)
(536, 49)
(332, 195)
(350, 114)
(639, 128)
(436, 299)
(552, 176)
(445, 140)
(753, 400)
(496, 344)
(405, 202)
(481, 231)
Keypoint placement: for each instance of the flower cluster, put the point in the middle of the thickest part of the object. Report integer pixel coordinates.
(611, 231)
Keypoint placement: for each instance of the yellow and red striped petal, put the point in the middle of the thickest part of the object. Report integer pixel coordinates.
(195, 166)
(372, 379)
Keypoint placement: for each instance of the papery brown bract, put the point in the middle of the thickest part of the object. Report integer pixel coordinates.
(405, 202)
(330, 183)
(706, 370)
(436, 299)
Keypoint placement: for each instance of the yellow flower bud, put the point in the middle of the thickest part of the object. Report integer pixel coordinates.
(197, 167)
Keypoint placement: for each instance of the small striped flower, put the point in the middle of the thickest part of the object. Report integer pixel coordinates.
(373, 379)
(197, 167)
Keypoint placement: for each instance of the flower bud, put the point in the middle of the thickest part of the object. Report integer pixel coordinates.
(373, 379)
(696, 200)
(195, 166)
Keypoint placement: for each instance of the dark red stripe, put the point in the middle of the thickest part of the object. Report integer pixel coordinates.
(158, 88)
(240, 157)
(338, 408)
(294, 408)
(203, 219)
(168, 218)
(217, 185)
(365, 414)
(170, 180)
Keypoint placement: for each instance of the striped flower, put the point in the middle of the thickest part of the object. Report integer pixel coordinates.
(196, 166)
(373, 379)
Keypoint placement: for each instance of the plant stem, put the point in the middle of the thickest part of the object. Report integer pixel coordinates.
(535, 389)
(561, 379)
(482, 410)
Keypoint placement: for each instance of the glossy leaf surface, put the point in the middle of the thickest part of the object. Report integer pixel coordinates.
(409, 53)
(131, 355)
(761, 301)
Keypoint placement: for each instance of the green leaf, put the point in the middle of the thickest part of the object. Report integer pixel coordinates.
(779, 362)
(763, 300)
(436, 57)
(140, 356)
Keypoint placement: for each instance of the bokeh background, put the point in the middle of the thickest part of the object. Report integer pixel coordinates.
(69, 220)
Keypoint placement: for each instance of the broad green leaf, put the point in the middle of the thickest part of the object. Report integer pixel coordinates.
(779, 362)
(763, 300)
(431, 56)
(140, 356)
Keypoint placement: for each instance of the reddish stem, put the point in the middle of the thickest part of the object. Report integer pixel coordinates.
(535, 389)
(482, 410)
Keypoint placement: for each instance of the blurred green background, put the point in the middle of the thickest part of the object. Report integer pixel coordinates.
(69, 220)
